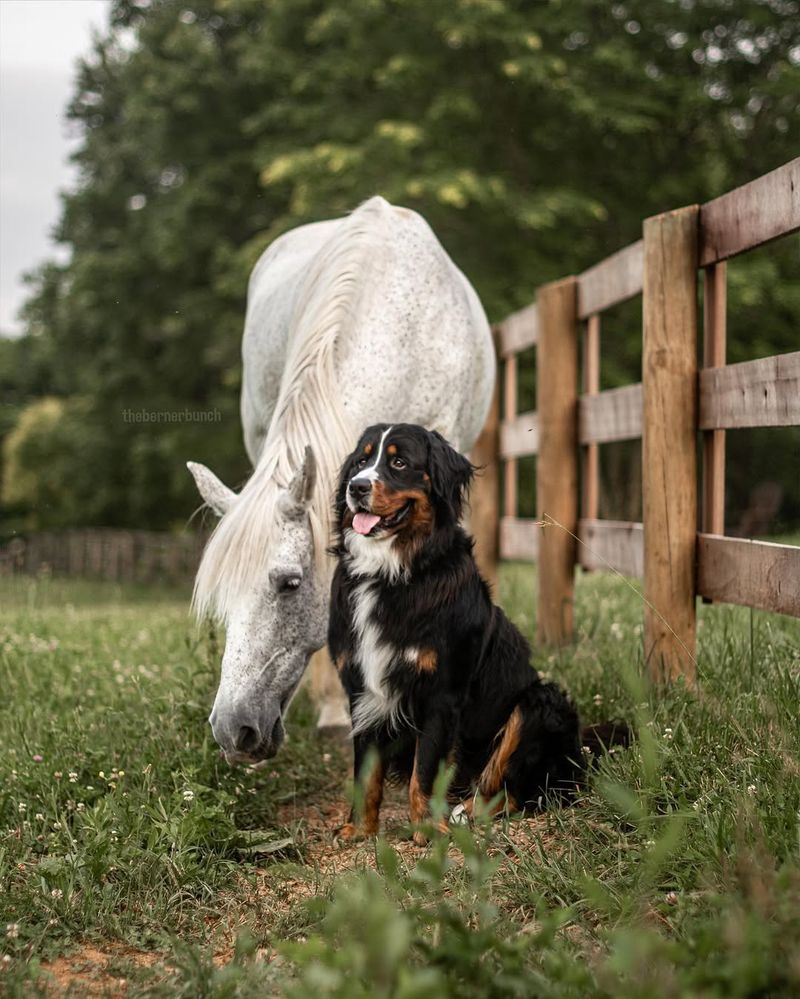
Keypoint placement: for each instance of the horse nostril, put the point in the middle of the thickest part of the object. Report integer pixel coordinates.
(360, 489)
(247, 740)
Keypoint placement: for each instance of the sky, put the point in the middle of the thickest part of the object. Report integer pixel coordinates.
(40, 41)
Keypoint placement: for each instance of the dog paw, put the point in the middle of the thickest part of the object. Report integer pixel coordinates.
(459, 816)
(349, 832)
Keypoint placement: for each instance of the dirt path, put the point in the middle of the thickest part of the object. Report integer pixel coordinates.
(104, 969)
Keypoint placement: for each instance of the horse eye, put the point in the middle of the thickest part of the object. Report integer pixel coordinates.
(289, 585)
(398, 463)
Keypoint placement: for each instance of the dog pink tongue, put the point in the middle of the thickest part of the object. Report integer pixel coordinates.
(364, 522)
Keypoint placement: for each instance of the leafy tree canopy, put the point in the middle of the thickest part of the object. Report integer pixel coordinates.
(533, 136)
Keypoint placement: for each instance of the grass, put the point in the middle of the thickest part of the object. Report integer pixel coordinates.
(130, 852)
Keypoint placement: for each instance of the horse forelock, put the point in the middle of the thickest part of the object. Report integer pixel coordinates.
(308, 411)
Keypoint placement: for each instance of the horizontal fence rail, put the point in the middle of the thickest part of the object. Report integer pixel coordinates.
(612, 544)
(518, 331)
(757, 213)
(611, 282)
(519, 539)
(613, 415)
(674, 403)
(519, 437)
(762, 393)
(105, 553)
(753, 573)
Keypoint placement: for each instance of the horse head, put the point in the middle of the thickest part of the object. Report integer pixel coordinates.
(275, 618)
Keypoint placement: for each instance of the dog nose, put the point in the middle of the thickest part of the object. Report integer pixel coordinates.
(360, 488)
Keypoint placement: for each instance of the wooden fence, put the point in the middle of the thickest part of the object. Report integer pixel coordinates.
(674, 402)
(105, 553)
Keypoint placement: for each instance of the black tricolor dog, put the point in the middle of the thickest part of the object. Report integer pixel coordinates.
(434, 671)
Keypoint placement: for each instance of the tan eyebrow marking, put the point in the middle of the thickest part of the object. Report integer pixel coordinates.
(392, 449)
(367, 449)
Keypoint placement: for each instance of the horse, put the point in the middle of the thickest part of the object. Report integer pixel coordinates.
(349, 322)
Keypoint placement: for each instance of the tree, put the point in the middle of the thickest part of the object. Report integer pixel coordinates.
(533, 136)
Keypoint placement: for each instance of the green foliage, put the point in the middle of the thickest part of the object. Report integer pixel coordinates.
(533, 136)
(51, 439)
(677, 872)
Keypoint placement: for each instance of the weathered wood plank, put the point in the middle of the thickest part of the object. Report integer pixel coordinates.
(510, 414)
(557, 464)
(518, 331)
(590, 481)
(669, 458)
(519, 539)
(753, 573)
(715, 300)
(520, 437)
(613, 280)
(617, 543)
(762, 393)
(751, 215)
(613, 415)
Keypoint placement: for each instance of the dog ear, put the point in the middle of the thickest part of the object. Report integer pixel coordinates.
(451, 474)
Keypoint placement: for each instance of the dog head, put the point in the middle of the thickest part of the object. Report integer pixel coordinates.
(402, 481)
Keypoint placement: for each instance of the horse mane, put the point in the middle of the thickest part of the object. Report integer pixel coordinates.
(308, 411)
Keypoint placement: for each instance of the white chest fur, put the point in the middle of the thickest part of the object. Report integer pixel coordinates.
(374, 656)
(371, 557)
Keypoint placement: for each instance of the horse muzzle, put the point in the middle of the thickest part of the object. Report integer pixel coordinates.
(246, 735)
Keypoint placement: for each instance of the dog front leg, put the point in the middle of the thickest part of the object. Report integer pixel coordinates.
(370, 769)
(433, 748)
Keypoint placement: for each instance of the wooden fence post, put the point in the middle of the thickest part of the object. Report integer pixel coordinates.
(484, 516)
(557, 463)
(669, 441)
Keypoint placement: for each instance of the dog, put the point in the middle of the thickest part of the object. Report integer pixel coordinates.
(435, 673)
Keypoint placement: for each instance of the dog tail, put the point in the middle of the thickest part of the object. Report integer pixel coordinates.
(598, 739)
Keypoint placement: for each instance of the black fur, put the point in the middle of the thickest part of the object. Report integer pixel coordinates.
(456, 711)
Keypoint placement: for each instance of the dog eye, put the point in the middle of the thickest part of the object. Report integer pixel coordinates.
(361, 462)
(289, 585)
(398, 463)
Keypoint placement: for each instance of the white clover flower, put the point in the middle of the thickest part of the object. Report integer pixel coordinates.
(56, 893)
(188, 795)
(12, 930)
(751, 790)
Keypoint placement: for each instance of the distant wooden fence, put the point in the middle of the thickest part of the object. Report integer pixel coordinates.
(674, 402)
(105, 553)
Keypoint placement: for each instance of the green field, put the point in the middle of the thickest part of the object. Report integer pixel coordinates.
(134, 861)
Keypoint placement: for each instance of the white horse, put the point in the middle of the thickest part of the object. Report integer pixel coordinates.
(349, 322)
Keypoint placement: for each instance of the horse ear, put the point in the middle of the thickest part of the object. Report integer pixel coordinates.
(451, 474)
(295, 500)
(214, 492)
